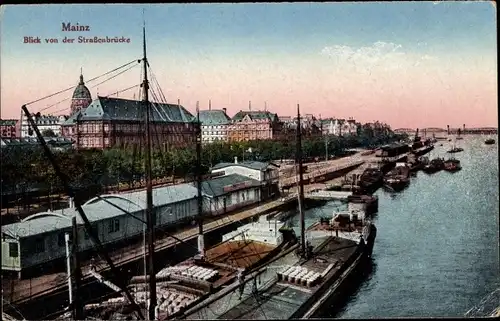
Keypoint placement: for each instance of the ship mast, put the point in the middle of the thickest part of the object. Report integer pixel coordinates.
(298, 160)
(201, 239)
(150, 217)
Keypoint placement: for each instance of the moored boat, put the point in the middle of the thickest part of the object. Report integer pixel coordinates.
(182, 286)
(452, 165)
(415, 163)
(455, 150)
(489, 141)
(371, 179)
(435, 165)
(398, 178)
(308, 288)
(366, 203)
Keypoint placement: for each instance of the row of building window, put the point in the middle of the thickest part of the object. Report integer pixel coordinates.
(250, 126)
(214, 127)
(214, 138)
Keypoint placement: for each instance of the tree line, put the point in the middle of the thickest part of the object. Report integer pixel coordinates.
(24, 168)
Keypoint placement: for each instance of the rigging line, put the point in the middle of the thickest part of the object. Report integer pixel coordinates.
(60, 110)
(114, 76)
(156, 98)
(138, 60)
(123, 90)
(72, 87)
(153, 81)
(153, 77)
(255, 293)
(155, 105)
(71, 193)
(162, 95)
(13, 307)
(160, 90)
(57, 104)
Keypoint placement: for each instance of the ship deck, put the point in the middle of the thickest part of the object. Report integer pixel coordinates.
(224, 259)
(278, 302)
(283, 298)
(239, 254)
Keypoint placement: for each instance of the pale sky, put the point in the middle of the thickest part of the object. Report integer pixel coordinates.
(409, 64)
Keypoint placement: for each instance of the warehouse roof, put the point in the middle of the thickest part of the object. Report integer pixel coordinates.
(225, 184)
(97, 210)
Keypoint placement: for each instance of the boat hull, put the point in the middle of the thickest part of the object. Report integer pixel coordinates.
(334, 288)
(452, 168)
(455, 150)
(397, 185)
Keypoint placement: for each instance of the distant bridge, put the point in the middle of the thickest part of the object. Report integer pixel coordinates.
(453, 131)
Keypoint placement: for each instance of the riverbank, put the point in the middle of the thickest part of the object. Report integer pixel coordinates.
(436, 253)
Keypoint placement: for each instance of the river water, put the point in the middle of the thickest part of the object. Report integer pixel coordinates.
(436, 252)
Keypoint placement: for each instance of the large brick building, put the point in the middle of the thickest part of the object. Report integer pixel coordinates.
(109, 122)
(254, 125)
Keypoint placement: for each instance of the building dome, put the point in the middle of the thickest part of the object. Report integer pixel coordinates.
(81, 97)
(81, 91)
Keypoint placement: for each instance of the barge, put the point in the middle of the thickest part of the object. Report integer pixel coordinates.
(398, 178)
(371, 179)
(308, 288)
(182, 286)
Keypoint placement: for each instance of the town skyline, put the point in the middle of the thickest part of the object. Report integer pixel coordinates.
(424, 64)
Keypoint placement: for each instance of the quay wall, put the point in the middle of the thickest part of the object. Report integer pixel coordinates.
(321, 175)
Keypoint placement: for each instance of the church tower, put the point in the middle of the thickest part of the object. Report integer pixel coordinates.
(81, 97)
